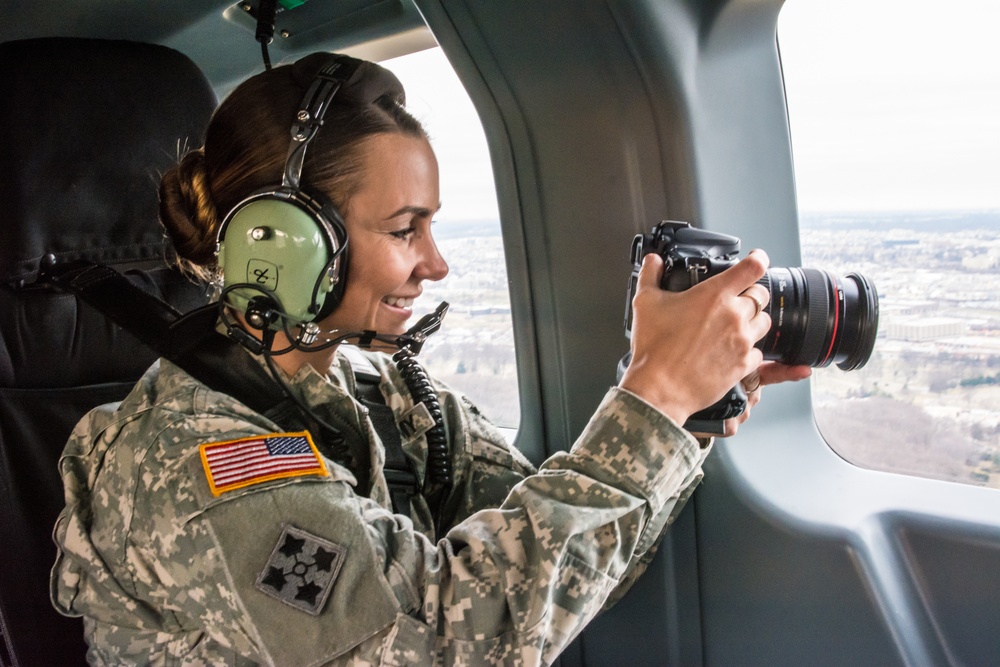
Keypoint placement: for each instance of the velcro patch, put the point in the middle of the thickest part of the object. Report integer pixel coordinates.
(235, 464)
(301, 570)
(416, 421)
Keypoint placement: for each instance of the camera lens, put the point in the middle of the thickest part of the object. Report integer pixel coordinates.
(819, 318)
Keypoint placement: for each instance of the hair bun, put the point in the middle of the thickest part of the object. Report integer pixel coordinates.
(368, 83)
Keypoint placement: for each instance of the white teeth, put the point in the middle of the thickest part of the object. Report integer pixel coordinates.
(398, 302)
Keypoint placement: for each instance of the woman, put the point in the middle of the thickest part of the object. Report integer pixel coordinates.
(170, 561)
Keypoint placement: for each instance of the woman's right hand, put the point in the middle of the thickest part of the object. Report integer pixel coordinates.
(689, 348)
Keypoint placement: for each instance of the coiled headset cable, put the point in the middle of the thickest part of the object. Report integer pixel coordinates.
(438, 478)
(413, 374)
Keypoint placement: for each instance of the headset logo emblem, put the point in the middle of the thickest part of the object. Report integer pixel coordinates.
(262, 273)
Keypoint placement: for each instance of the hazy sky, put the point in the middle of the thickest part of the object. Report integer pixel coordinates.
(893, 104)
(436, 97)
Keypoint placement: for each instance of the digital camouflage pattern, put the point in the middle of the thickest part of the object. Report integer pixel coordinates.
(304, 571)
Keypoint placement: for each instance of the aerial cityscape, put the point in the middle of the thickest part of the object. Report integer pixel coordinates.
(928, 401)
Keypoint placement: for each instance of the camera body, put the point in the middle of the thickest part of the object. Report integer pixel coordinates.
(690, 255)
(817, 317)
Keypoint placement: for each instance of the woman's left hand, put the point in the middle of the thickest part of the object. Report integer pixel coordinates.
(769, 372)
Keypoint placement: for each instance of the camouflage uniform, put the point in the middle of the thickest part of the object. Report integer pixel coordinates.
(167, 567)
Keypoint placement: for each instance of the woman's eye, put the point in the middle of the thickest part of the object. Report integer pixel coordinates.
(403, 233)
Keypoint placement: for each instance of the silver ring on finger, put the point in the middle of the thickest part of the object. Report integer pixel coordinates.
(756, 301)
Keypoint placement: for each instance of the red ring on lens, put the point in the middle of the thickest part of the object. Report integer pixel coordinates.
(839, 301)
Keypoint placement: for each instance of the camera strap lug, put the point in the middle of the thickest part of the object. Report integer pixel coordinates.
(696, 269)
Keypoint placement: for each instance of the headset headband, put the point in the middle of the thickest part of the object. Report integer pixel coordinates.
(309, 117)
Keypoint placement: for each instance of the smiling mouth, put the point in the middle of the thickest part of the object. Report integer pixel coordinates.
(398, 302)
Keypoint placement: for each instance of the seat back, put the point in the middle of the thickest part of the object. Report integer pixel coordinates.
(87, 127)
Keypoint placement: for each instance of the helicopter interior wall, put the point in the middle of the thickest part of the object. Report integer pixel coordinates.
(790, 555)
(574, 144)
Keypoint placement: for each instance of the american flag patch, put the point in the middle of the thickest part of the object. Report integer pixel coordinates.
(238, 463)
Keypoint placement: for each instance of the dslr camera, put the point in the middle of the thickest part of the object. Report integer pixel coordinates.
(817, 317)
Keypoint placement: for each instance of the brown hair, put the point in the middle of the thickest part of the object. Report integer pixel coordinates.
(247, 142)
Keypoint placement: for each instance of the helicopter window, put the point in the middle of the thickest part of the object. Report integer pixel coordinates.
(474, 350)
(894, 110)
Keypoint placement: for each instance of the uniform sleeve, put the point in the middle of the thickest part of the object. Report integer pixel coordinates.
(305, 572)
(522, 580)
(661, 522)
(492, 467)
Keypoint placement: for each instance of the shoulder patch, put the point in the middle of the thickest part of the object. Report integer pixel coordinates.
(235, 464)
(301, 570)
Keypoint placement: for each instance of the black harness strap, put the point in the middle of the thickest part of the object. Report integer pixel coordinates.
(400, 476)
(188, 340)
(191, 342)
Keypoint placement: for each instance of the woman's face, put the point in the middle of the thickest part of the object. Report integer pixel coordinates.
(390, 248)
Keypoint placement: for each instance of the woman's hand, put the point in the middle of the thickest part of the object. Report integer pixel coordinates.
(689, 348)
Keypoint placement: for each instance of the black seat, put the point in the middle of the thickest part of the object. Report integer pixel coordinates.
(87, 127)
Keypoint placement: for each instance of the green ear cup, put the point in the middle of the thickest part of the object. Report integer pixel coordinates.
(278, 247)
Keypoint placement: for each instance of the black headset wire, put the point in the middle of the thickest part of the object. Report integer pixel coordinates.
(364, 337)
(438, 480)
(335, 443)
(266, 11)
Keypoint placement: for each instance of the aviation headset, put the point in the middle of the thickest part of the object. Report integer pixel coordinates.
(287, 242)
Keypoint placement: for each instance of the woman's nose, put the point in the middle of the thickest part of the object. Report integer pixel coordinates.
(432, 266)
